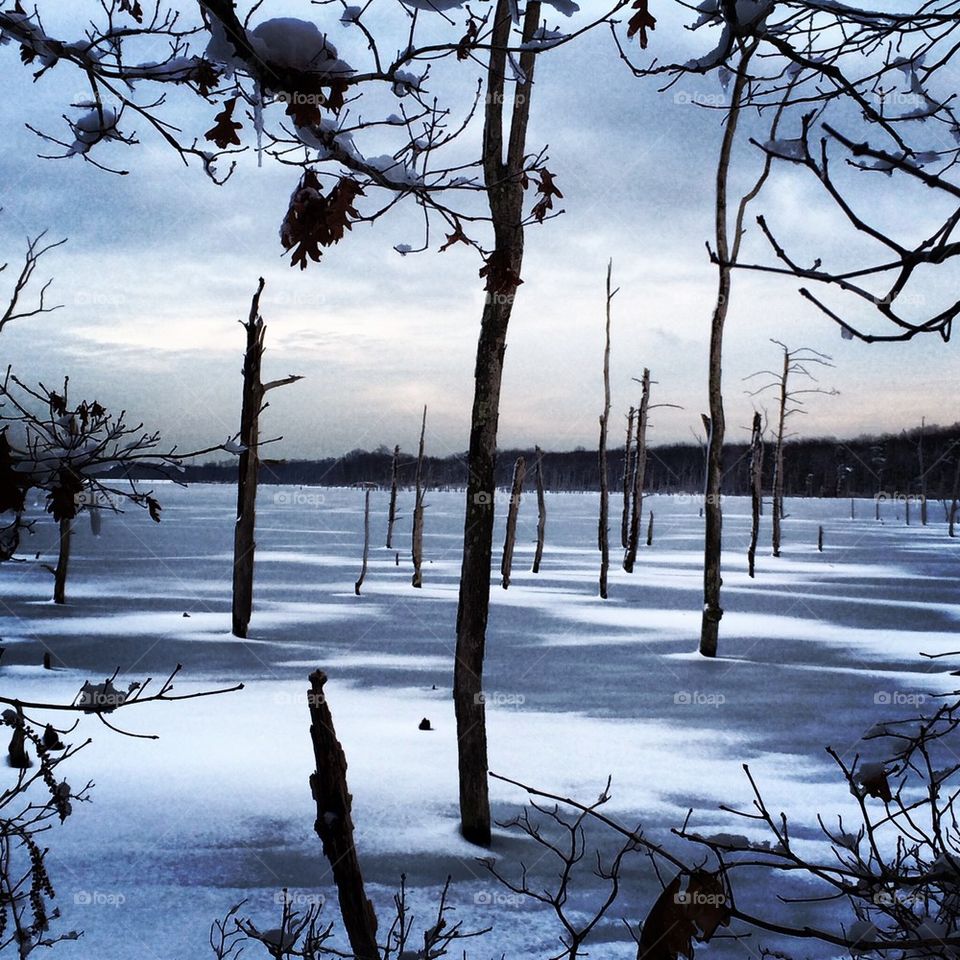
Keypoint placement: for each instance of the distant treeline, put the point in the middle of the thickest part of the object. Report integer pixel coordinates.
(913, 462)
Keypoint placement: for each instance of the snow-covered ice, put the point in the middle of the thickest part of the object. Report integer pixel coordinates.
(818, 650)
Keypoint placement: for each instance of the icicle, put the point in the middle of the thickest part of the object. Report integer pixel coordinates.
(258, 119)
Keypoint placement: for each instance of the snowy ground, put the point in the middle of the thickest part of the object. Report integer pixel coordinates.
(813, 652)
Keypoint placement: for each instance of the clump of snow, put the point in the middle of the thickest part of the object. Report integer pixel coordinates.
(405, 82)
(544, 38)
(297, 45)
(794, 149)
(325, 137)
(284, 42)
(93, 126)
(395, 170)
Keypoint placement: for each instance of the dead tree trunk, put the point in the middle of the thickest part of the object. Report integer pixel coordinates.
(603, 524)
(392, 511)
(923, 473)
(778, 455)
(503, 180)
(820, 539)
(541, 513)
(416, 545)
(956, 497)
(627, 479)
(254, 391)
(366, 543)
(334, 824)
(639, 473)
(756, 489)
(650, 530)
(516, 491)
(63, 561)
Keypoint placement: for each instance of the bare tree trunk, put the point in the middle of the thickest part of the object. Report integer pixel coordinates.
(853, 509)
(541, 513)
(639, 474)
(778, 455)
(366, 542)
(334, 824)
(756, 489)
(392, 512)
(504, 186)
(516, 491)
(713, 526)
(63, 561)
(254, 391)
(956, 497)
(650, 530)
(603, 524)
(416, 546)
(820, 539)
(923, 474)
(627, 480)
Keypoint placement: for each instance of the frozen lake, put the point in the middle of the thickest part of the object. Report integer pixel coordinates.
(814, 651)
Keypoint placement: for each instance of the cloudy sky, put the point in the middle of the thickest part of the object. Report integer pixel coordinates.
(160, 265)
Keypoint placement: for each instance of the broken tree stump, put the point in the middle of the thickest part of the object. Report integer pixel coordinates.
(334, 824)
